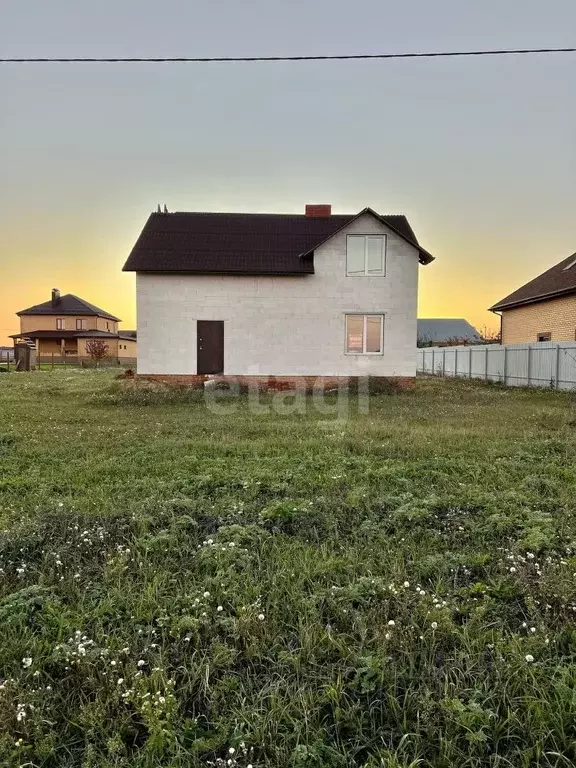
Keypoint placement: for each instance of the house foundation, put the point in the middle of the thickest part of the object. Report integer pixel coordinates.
(284, 383)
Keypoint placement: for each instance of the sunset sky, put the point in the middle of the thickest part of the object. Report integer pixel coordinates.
(480, 154)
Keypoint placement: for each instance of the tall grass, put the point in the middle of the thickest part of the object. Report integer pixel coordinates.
(180, 588)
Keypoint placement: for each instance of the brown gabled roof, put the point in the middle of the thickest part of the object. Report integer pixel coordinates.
(69, 304)
(555, 282)
(243, 243)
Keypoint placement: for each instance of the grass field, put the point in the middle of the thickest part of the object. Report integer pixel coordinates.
(183, 588)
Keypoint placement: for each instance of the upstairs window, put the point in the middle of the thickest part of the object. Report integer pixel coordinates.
(365, 255)
(364, 334)
(59, 324)
(79, 325)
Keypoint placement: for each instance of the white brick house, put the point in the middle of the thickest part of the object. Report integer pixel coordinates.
(285, 296)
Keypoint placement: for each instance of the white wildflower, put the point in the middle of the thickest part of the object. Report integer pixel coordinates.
(391, 623)
(219, 609)
(529, 658)
(261, 617)
(434, 625)
(26, 662)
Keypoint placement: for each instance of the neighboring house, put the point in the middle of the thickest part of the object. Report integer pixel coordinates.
(277, 295)
(444, 331)
(61, 328)
(542, 310)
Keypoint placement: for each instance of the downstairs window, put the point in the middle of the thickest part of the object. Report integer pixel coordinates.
(364, 334)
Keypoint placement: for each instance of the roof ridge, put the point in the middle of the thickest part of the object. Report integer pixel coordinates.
(221, 242)
(261, 213)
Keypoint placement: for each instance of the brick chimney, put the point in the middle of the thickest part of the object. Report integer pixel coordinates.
(319, 211)
(55, 297)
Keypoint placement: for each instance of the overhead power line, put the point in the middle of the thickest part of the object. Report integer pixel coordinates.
(333, 57)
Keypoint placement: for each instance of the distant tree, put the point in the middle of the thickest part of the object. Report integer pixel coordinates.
(97, 350)
(491, 337)
(452, 341)
(459, 341)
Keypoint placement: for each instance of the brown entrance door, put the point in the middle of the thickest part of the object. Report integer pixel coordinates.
(210, 335)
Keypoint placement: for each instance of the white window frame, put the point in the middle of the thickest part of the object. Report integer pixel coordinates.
(365, 315)
(60, 325)
(382, 273)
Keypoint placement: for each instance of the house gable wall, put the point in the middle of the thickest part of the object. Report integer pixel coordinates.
(285, 326)
(557, 316)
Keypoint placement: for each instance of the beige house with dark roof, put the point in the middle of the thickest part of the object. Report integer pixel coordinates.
(61, 328)
(542, 310)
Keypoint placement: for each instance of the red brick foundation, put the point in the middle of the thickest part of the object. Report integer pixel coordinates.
(174, 380)
(283, 383)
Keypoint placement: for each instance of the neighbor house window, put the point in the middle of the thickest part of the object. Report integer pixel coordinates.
(107, 326)
(364, 334)
(59, 324)
(546, 336)
(79, 325)
(366, 255)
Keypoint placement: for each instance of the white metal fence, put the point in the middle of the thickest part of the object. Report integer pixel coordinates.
(544, 364)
